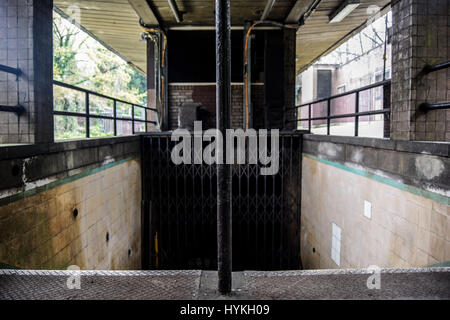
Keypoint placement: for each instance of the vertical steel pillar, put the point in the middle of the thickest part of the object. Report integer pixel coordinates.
(247, 73)
(158, 80)
(223, 107)
(151, 81)
(42, 60)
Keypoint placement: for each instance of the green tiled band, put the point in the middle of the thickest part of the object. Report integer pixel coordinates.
(404, 187)
(51, 185)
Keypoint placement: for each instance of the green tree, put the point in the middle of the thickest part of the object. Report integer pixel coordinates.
(82, 61)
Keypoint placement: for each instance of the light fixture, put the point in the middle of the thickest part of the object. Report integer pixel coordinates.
(344, 10)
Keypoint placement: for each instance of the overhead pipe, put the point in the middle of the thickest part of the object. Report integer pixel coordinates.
(267, 9)
(223, 115)
(175, 11)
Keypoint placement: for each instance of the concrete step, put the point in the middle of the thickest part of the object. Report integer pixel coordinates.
(426, 283)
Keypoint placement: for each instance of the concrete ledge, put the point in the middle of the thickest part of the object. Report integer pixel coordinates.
(30, 150)
(441, 149)
(420, 164)
(21, 165)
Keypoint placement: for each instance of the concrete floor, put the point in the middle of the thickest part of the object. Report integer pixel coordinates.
(430, 283)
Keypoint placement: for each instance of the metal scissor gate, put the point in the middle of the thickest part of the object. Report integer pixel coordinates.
(179, 211)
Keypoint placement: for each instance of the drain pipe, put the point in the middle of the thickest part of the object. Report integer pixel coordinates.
(223, 111)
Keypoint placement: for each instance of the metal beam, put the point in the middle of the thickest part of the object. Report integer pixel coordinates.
(298, 10)
(203, 28)
(145, 12)
(267, 9)
(175, 11)
(223, 110)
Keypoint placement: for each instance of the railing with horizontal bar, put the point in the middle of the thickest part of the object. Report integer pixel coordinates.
(329, 116)
(18, 109)
(112, 115)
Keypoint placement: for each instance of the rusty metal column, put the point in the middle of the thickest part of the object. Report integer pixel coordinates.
(151, 80)
(223, 110)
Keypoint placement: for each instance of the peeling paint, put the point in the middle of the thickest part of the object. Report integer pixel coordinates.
(429, 167)
(357, 156)
(107, 160)
(371, 173)
(24, 165)
(39, 183)
(329, 149)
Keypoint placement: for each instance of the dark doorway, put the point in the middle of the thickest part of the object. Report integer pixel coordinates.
(323, 84)
(179, 212)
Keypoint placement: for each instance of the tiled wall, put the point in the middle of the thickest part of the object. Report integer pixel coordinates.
(399, 229)
(16, 50)
(420, 37)
(41, 231)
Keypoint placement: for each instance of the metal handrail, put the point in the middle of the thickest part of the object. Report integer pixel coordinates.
(7, 69)
(69, 86)
(329, 116)
(18, 109)
(348, 115)
(371, 86)
(87, 114)
(425, 107)
(440, 66)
